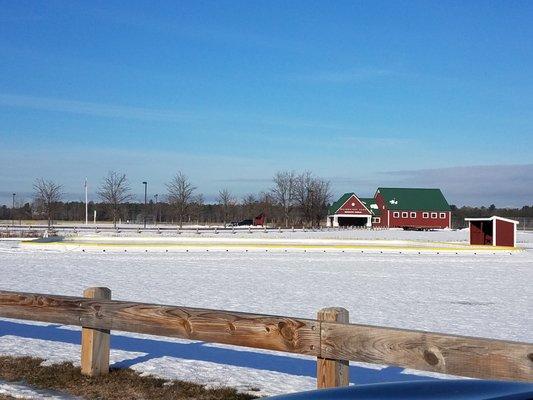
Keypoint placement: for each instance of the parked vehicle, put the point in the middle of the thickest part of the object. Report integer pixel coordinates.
(422, 390)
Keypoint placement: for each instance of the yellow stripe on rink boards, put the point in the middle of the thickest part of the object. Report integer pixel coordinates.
(223, 246)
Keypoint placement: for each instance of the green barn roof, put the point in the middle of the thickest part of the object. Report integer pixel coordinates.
(335, 206)
(415, 199)
(370, 203)
(367, 202)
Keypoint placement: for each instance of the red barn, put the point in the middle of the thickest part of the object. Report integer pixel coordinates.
(492, 231)
(349, 210)
(412, 208)
(407, 208)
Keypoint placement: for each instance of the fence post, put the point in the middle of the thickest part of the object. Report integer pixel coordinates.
(332, 373)
(95, 342)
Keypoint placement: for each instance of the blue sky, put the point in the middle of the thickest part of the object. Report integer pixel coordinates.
(366, 94)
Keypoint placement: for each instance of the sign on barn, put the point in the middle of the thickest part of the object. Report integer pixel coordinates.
(349, 210)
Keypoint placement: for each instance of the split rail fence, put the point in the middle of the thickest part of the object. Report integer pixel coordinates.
(330, 337)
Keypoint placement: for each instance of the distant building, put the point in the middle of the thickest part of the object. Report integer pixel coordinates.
(349, 210)
(408, 208)
(413, 208)
(492, 231)
(260, 219)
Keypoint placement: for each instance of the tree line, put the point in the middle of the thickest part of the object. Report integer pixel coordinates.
(295, 199)
(524, 214)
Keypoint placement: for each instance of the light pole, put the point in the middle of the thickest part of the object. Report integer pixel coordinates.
(86, 205)
(145, 191)
(13, 211)
(312, 206)
(156, 208)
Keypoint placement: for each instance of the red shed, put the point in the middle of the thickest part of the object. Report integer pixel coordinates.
(492, 231)
(260, 219)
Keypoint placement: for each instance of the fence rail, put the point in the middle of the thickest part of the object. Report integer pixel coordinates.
(330, 337)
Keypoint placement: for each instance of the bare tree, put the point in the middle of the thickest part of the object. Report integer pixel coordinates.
(180, 195)
(321, 197)
(19, 209)
(47, 197)
(266, 203)
(312, 195)
(114, 191)
(197, 205)
(227, 202)
(283, 192)
(249, 206)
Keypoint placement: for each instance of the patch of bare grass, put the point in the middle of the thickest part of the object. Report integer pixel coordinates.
(119, 384)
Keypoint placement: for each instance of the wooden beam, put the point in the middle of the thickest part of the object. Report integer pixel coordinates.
(95, 342)
(332, 373)
(287, 334)
(447, 354)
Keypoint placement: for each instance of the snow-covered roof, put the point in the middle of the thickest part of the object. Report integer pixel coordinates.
(493, 218)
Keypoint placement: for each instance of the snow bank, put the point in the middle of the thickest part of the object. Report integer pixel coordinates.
(486, 295)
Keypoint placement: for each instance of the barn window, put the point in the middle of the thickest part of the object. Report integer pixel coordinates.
(396, 214)
(376, 220)
(413, 215)
(433, 215)
(404, 214)
(425, 215)
(442, 215)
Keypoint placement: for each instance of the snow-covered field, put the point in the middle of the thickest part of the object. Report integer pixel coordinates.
(325, 240)
(485, 295)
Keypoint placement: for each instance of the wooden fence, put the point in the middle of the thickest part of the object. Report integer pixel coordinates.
(330, 337)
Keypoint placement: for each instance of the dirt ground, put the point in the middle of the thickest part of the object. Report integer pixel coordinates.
(119, 384)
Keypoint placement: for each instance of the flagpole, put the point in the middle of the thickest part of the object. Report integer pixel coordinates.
(86, 205)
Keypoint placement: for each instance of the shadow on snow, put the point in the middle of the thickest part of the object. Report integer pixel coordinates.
(198, 351)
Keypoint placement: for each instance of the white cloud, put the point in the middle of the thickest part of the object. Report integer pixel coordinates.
(503, 185)
(345, 77)
(90, 108)
(107, 110)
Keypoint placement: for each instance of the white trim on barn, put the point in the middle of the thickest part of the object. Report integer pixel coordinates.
(333, 220)
(348, 199)
(493, 233)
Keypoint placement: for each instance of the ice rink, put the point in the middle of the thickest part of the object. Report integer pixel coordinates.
(484, 294)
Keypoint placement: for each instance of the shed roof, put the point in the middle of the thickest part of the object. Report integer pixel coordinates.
(493, 218)
(416, 199)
